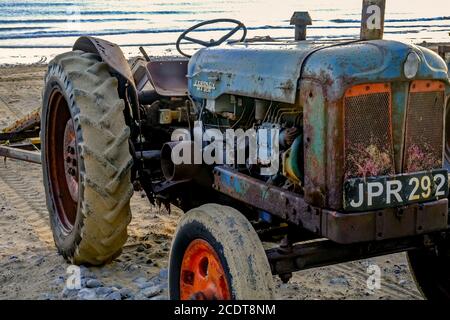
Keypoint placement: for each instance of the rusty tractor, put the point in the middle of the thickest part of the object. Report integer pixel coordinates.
(361, 147)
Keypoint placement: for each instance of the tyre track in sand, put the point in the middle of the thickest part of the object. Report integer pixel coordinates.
(20, 92)
(26, 195)
(388, 287)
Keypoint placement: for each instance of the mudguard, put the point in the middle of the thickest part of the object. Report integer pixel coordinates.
(110, 53)
(113, 56)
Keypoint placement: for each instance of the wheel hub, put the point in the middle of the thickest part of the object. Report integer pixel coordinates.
(62, 161)
(71, 160)
(202, 274)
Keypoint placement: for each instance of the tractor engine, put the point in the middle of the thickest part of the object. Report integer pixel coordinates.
(281, 122)
(248, 118)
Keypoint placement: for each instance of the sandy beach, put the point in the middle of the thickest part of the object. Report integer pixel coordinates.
(30, 267)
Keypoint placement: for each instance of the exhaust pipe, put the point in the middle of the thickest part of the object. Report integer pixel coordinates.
(372, 19)
(183, 171)
(300, 19)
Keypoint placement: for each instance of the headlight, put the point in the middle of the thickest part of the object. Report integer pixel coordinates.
(411, 66)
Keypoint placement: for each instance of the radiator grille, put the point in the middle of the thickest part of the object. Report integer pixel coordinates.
(368, 132)
(424, 131)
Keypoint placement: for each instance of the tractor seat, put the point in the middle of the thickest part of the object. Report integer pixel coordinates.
(168, 77)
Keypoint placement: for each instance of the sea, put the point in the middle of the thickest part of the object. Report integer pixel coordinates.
(35, 31)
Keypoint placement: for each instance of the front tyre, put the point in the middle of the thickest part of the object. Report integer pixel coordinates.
(217, 255)
(85, 159)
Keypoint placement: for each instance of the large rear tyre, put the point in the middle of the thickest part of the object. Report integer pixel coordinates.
(217, 255)
(431, 270)
(85, 159)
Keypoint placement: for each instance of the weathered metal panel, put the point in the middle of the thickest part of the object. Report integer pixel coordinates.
(315, 142)
(282, 203)
(385, 224)
(324, 146)
(399, 103)
(340, 67)
(269, 71)
(340, 227)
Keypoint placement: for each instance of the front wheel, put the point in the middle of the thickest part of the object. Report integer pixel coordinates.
(217, 255)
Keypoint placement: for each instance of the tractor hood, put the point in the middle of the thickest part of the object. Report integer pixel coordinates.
(271, 71)
(260, 70)
(343, 66)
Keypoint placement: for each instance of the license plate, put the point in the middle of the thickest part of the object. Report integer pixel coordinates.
(363, 194)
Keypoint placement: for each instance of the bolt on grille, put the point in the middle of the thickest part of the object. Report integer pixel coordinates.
(424, 128)
(368, 131)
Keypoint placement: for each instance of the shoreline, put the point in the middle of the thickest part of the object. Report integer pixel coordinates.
(163, 51)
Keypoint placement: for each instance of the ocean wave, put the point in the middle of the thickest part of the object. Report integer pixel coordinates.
(39, 4)
(73, 33)
(55, 21)
(32, 12)
(395, 20)
(43, 32)
(9, 29)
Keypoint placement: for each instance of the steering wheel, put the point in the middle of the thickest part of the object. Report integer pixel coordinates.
(211, 43)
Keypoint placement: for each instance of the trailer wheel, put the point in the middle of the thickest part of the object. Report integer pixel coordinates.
(216, 254)
(85, 158)
(431, 271)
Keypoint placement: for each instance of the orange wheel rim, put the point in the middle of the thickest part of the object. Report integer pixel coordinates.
(202, 275)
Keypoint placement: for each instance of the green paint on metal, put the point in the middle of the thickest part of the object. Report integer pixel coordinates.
(399, 103)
